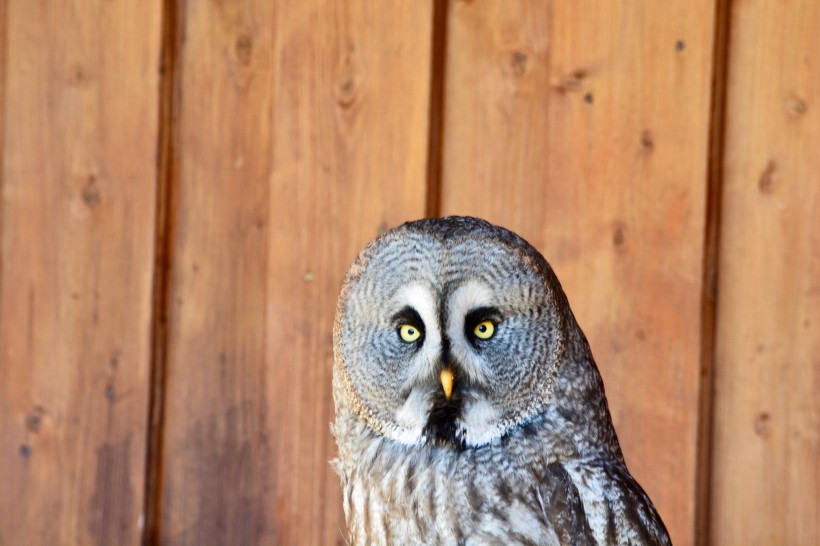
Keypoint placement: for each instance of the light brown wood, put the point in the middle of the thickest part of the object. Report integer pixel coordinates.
(584, 127)
(302, 129)
(303, 132)
(78, 202)
(766, 460)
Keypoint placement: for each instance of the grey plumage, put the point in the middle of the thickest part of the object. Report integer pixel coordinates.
(522, 451)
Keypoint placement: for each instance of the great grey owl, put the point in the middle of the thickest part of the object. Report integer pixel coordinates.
(469, 409)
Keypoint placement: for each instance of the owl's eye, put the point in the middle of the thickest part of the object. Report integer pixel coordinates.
(480, 324)
(484, 330)
(409, 333)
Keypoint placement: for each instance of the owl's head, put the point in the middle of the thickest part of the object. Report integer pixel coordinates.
(448, 331)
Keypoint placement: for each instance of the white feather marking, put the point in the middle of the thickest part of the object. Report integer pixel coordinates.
(481, 424)
(468, 296)
(592, 489)
(412, 415)
(405, 436)
(523, 520)
(541, 503)
(422, 298)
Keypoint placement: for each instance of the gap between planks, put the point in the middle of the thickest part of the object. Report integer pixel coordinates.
(435, 136)
(711, 253)
(167, 176)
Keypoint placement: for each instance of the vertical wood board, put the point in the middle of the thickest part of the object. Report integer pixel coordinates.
(302, 132)
(79, 116)
(766, 458)
(584, 127)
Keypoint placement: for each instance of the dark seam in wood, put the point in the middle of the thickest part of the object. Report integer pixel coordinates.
(711, 255)
(435, 136)
(164, 243)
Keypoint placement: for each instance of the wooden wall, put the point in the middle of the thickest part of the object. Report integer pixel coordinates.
(185, 183)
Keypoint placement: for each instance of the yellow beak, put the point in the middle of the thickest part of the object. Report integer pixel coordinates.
(446, 378)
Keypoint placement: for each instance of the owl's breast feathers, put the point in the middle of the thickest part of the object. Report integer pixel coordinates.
(511, 492)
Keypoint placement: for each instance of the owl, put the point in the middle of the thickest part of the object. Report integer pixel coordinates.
(469, 409)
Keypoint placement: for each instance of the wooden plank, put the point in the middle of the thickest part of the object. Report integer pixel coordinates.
(766, 459)
(78, 204)
(584, 127)
(302, 131)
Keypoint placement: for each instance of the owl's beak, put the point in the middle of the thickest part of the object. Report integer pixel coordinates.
(446, 378)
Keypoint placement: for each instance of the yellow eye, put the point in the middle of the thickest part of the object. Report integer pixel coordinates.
(409, 333)
(484, 330)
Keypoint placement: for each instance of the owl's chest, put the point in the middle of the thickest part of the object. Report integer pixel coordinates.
(440, 496)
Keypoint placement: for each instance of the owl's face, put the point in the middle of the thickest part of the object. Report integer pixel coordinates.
(446, 332)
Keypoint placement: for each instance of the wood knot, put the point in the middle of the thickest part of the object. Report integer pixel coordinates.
(346, 91)
(517, 63)
(77, 76)
(91, 193)
(34, 420)
(619, 235)
(766, 182)
(647, 141)
(572, 82)
(762, 424)
(243, 48)
(796, 107)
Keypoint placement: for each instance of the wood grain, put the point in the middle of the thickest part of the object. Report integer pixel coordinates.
(297, 130)
(302, 132)
(766, 460)
(584, 127)
(80, 85)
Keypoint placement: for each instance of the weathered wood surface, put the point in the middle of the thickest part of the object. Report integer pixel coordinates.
(766, 459)
(302, 131)
(78, 156)
(297, 131)
(584, 127)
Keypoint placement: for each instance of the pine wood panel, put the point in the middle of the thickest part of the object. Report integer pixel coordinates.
(584, 127)
(79, 125)
(302, 132)
(766, 459)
